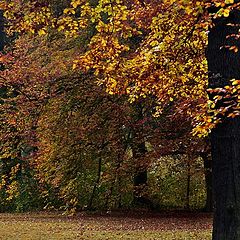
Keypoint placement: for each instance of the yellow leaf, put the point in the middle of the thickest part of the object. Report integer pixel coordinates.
(60, 28)
(229, 1)
(41, 32)
(226, 12)
(236, 82)
(74, 66)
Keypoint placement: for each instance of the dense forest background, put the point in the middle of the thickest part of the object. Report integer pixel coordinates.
(103, 104)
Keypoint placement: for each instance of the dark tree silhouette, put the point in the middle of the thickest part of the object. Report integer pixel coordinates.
(224, 65)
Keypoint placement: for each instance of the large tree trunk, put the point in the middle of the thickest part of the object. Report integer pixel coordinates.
(226, 181)
(224, 65)
(140, 176)
(139, 151)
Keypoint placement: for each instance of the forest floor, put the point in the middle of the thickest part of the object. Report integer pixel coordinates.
(111, 226)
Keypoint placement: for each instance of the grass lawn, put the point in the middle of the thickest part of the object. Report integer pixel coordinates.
(101, 227)
(146, 235)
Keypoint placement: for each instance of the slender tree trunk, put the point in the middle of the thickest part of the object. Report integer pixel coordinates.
(224, 65)
(208, 182)
(188, 185)
(114, 181)
(90, 203)
(207, 161)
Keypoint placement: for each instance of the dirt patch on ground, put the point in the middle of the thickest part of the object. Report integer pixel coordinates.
(150, 221)
(165, 221)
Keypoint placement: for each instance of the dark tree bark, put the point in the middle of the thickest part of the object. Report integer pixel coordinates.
(140, 176)
(139, 151)
(224, 65)
(207, 161)
(188, 185)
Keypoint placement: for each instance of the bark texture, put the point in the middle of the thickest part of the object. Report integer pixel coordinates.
(139, 152)
(208, 181)
(224, 65)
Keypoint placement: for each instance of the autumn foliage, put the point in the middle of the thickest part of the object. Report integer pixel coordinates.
(74, 76)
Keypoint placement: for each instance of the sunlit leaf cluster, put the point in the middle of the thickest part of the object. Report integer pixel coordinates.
(69, 70)
(138, 48)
